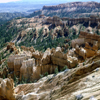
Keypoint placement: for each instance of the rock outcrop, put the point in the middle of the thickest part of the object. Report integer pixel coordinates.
(54, 20)
(26, 70)
(15, 62)
(62, 10)
(7, 89)
(46, 58)
(71, 84)
(11, 46)
(45, 31)
(35, 65)
(32, 67)
(68, 85)
(78, 42)
(31, 49)
(22, 34)
(91, 51)
(86, 45)
(71, 5)
(81, 52)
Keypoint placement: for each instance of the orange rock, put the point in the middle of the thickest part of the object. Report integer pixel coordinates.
(26, 69)
(7, 89)
(46, 59)
(91, 51)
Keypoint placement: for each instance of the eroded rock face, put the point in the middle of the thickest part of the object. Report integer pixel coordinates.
(68, 84)
(91, 51)
(31, 69)
(31, 49)
(52, 59)
(78, 41)
(46, 59)
(45, 31)
(15, 62)
(26, 70)
(70, 5)
(81, 52)
(54, 20)
(90, 38)
(60, 59)
(86, 45)
(86, 37)
(7, 89)
(22, 34)
(11, 46)
(71, 84)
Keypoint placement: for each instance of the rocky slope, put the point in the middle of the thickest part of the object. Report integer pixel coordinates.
(40, 30)
(4, 17)
(50, 58)
(79, 80)
(81, 83)
(73, 9)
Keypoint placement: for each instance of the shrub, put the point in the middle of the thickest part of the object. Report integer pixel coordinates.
(46, 74)
(56, 71)
(66, 67)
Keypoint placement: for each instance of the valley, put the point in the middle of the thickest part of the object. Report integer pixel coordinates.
(51, 54)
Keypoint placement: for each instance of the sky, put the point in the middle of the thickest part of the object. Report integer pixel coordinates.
(62, 1)
(6, 1)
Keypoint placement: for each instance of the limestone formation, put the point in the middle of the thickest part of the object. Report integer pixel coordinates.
(46, 59)
(81, 52)
(90, 38)
(24, 67)
(37, 55)
(58, 32)
(26, 70)
(66, 46)
(14, 63)
(31, 49)
(22, 34)
(86, 45)
(55, 20)
(11, 46)
(45, 31)
(81, 82)
(66, 31)
(17, 65)
(62, 60)
(71, 52)
(7, 89)
(73, 62)
(87, 21)
(78, 41)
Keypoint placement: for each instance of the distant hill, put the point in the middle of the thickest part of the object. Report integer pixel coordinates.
(73, 9)
(4, 17)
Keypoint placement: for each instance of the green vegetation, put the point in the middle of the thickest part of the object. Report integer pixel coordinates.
(66, 67)
(7, 33)
(41, 76)
(45, 74)
(98, 32)
(56, 71)
(4, 17)
(42, 43)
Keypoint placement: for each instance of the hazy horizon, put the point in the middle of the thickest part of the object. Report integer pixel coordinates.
(47, 1)
(25, 5)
